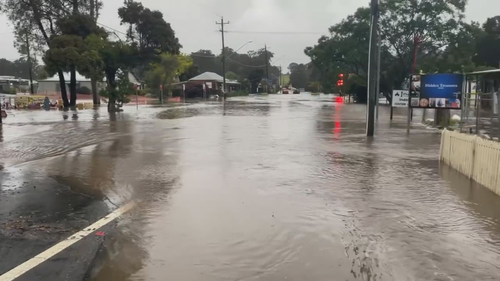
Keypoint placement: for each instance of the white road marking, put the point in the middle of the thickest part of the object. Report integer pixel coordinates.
(40, 258)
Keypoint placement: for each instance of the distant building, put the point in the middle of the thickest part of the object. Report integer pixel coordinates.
(10, 82)
(51, 85)
(206, 84)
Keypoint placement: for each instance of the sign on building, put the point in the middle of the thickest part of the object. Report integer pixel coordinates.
(400, 98)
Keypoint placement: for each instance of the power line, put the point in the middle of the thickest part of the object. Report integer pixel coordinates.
(276, 32)
(202, 56)
(110, 28)
(242, 64)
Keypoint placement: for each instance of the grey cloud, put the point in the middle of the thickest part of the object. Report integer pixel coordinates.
(194, 22)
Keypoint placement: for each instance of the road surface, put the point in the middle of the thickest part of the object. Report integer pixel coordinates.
(280, 187)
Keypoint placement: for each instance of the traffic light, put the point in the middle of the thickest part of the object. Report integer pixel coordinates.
(340, 82)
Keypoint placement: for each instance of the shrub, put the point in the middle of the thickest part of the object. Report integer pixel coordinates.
(84, 91)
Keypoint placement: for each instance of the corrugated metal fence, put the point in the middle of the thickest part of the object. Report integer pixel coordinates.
(473, 156)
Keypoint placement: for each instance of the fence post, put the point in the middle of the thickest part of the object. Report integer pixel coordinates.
(474, 141)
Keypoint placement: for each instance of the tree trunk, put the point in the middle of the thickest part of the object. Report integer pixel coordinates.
(62, 84)
(72, 87)
(442, 118)
(111, 77)
(30, 65)
(95, 94)
(92, 10)
(112, 105)
(75, 7)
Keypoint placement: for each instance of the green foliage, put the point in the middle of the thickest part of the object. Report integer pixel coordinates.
(315, 87)
(488, 47)
(299, 76)
(121, 90)
(446, 44)
(232, 76)
(20, 68)
(65, 51)
(250, 65)
(167, 69)
(83, 90)
(149, 30)
(12, 91)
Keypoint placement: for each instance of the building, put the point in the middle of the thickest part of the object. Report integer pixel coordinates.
(206, 84)
(51, 85)
(8, 83)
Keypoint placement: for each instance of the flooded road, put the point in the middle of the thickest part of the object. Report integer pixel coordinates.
(265, 188)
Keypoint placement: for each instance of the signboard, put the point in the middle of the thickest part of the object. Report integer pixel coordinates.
(29, 101)
(438, 91)
(400, 98)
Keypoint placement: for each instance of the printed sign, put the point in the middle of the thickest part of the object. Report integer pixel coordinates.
(400, 98)
(439, 91)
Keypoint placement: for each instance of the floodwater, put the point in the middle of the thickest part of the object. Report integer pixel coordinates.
(266, 188)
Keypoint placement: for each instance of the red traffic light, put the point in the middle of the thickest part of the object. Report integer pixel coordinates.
(341, 75)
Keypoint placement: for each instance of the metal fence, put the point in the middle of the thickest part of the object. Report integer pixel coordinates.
(480, 115)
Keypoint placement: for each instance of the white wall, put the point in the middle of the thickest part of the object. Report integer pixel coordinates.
(477, 158)
(53, 86)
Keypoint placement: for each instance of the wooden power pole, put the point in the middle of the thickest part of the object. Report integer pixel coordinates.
(372, 69)
(222, 23)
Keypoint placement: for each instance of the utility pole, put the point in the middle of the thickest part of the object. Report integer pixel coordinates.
(281, 75)
(379, 51)
(222, 23)
(372, 69)
(267, 68)
(30, 66)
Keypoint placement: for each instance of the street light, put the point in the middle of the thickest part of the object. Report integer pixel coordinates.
(275, 61)
(240, 48)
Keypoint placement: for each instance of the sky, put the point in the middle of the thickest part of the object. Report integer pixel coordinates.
(265, 22)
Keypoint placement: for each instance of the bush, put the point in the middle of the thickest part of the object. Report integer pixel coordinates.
(11, 91)
(84, 91)
(144, 92)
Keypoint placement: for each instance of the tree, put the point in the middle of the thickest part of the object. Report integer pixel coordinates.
(148, 30)
(116, 58)
(20, 68)
(232, 76)
(191, 72)
(44, 15)
(430, 23)
(118, 91)
(205, 60)
(488, 47)
(345, 51)
(435, 24)
(26, 44)
(299, 76)
(68, 51)
(166, 70)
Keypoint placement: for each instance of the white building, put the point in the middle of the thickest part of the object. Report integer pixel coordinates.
(51, 85)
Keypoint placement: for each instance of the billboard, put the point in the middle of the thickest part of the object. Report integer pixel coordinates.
(438, 91)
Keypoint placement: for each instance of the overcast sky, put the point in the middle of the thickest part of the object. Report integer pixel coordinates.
(194, 23)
